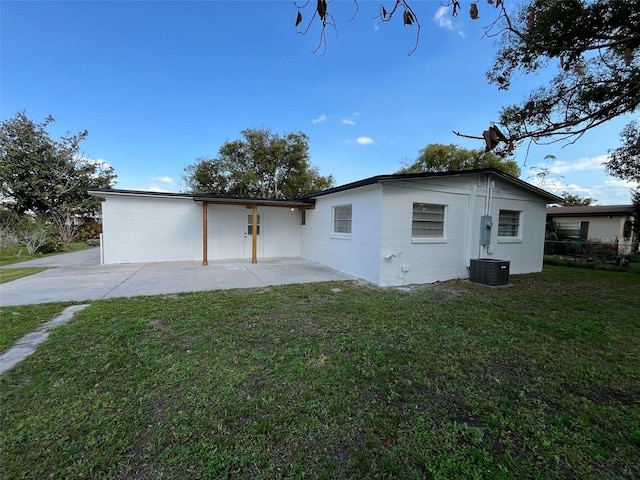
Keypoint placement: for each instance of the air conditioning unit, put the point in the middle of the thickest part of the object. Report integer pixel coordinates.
(489, 271)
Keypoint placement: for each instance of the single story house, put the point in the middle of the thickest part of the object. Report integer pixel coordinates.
(601, 224)
(387, 229)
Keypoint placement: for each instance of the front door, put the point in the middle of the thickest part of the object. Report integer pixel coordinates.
(248, 235)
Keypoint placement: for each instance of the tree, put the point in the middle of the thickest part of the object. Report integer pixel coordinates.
(625, 160)
(448, 158)
(592, 45)
(569, 200)
(261, 164)
(44, 176)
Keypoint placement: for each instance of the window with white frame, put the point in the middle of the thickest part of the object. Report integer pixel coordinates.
(509, 223)
(342, 219)
(427, 220)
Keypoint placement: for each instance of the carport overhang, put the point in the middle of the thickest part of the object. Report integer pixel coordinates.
(251, 204)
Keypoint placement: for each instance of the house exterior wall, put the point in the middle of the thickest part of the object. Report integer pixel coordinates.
(407, 260)
(605, 229)
(357, 254)
(381, 249)
(138, 229)
(525, 252)
(229, 237)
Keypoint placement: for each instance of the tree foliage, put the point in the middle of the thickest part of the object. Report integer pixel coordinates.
(261, 164)
(449, 158)
(625, 160)
(569, 200)
(44, 176)
(592, 48)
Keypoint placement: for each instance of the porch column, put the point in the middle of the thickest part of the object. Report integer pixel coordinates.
(205, 235)
(254, 235)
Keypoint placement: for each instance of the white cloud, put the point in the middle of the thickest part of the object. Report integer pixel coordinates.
(320, 119)
(166, 180)
(348, 121)
(442, 18)
(163, 184)
(560, 167)
(610, 192)
(365, 140)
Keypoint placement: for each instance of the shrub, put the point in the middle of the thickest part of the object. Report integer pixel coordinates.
(90, 231)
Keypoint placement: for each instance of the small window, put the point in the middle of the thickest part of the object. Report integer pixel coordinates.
(250, 225)
(427, 221)
(342, 219)
(303, 217)
(509, 223)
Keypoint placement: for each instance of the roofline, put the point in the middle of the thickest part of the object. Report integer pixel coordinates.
(308, 201)
(197, 197)
(98, 192)
(262, 202)
(410, 176)
(591, 211)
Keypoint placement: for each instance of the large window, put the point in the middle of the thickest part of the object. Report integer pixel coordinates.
(427, 221)
(509, 223)
(342, 219)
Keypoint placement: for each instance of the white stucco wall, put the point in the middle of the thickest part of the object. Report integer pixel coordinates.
(525, 253)
(404, 260)
(357, 254)
(140, 229)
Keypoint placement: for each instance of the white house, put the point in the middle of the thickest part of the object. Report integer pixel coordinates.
(387, 229)
(606, 224)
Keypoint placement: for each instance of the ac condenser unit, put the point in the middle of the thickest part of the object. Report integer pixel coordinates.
(489, 271)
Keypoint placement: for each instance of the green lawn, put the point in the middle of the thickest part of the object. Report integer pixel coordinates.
(449, 380)
(10, 274)
(16, 322)
(18, 253)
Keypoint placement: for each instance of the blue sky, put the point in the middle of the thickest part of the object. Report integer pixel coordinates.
(159, 84)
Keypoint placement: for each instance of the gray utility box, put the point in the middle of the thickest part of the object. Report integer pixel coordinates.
(489, 271)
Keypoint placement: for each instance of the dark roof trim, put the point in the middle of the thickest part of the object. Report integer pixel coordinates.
(263, 202)
(98, 192)
(413, 176)
(591, 211)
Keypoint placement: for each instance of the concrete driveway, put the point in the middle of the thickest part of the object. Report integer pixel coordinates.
(78, 276)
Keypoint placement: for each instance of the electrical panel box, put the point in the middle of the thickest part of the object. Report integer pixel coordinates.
(486, 224)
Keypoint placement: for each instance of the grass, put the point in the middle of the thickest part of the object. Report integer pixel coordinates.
(19, 253)
(449, 380)
(18, 321)
(10, 274)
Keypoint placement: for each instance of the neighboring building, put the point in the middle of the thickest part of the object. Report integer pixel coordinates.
(387, 229)
(603, 224)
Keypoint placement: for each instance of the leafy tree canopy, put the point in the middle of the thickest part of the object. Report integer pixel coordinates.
(261, 165)
(625, 160)
(45, 176)
(449, 158)
(591, 47)
(569, 200)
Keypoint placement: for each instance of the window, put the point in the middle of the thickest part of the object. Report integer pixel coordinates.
(427, 221)
(303, 217)
(509, 223)
(250, 225)
(342, 219)
(572, 228)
